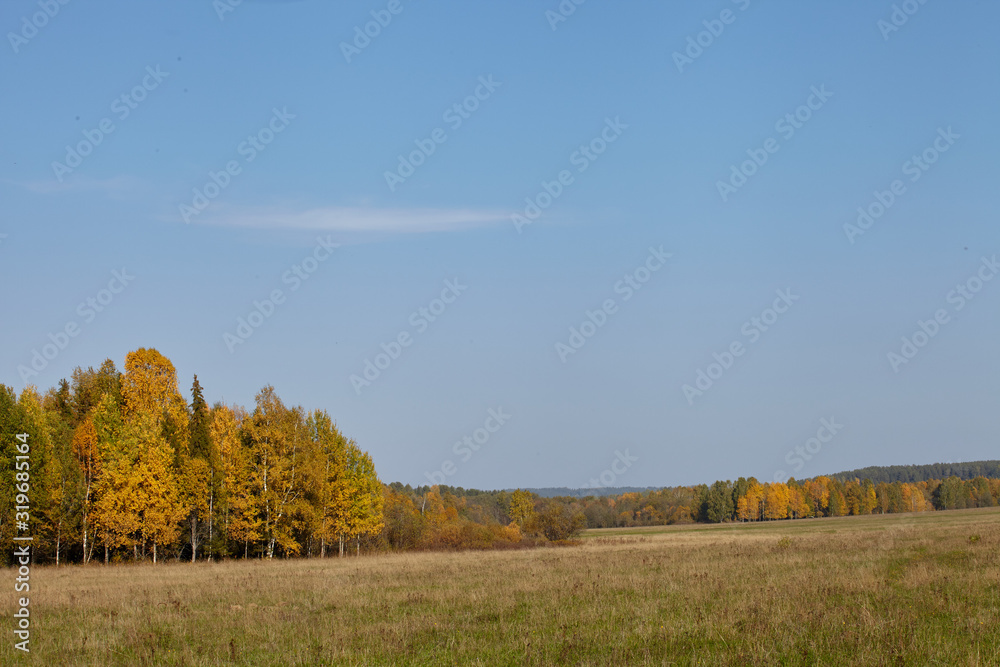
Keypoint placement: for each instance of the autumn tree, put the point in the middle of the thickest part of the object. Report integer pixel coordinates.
(558, 521)
(138, 502)
(522, 508)
(797, 505)
(276, 435)
(88, 455)
(143, 465)
(868, 498)
(980, 495)
(366, 503)
(149, 387)
(818, 495)
(775, 501)
(852, 496)
(238, 502)
(749, 507)
(335, 486)
(838, 505)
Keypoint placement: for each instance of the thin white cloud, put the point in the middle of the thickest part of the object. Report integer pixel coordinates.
(355, 219)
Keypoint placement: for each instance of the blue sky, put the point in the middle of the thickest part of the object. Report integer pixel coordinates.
(327, 131)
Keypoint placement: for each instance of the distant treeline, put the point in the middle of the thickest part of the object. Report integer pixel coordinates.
(905, 473)
(922, 473)
(749, 500)
(562, 491)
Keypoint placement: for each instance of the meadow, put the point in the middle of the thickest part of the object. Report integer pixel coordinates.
(900, 589)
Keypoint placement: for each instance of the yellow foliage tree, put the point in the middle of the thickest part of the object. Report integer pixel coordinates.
(818, 494)
(748, 506)
(149, 387)
(194, 480)
(776, 501)
(137, 493)
(365, 510)
(276, 435)
(522, 508)
(797, 506)
(335, 486)
(87, 453)
(238, 506)
(868, 498)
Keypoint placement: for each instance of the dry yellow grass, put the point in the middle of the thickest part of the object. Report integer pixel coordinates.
(881, 590)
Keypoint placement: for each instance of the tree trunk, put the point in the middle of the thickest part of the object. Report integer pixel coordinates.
(154, 553)
(194, 537)
(86, 508)
(341, 545)
(211, 512)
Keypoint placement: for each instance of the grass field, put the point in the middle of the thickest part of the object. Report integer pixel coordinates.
(880, 590)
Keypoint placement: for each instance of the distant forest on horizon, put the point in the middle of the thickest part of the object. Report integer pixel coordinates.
(965, 471)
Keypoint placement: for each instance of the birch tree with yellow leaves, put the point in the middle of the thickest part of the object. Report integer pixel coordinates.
(334, 485)
(366, 501)
(275, 435)
(749, 506)
(238, 504)
(88, 455)
(138, 501)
